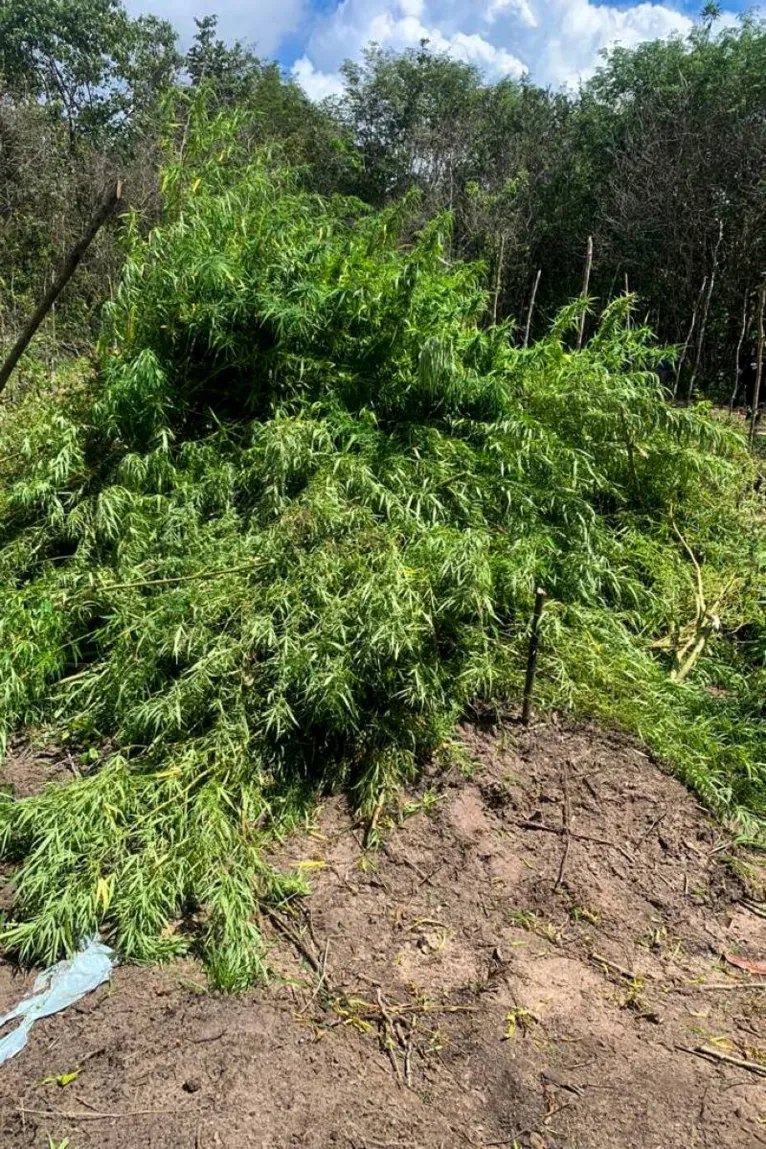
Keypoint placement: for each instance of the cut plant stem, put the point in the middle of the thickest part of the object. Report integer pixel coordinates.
(534, 643)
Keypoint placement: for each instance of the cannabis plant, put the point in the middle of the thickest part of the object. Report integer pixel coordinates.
(291, 529)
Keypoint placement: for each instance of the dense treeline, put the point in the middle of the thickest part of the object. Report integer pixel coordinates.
(660, 158)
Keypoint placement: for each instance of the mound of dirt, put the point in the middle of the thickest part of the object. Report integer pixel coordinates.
(532, 958)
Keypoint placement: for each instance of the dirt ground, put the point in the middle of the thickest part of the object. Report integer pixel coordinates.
(530, 959)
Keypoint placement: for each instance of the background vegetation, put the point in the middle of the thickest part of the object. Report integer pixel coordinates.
(660, 158)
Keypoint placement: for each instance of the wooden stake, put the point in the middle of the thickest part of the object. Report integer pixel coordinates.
(688, 340)
(743, 332)
(107, 206)
(627, 292)
(585, 286)
(498, 277)
(534, 642)
(759, 368)
(705, 309)
(531, 307)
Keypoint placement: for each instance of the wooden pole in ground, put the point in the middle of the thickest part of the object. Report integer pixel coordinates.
(685, 348)
(627, 292)
(759, 368)
(534, 642)
(585, 286)
(743, 332)
(531, 307)
(107, 206)
(705, 310)
(498, 277)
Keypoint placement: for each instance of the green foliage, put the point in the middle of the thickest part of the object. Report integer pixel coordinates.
(86, 60)
(292, 531)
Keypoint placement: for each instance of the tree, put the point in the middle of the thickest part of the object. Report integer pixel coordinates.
(681, 197)
(411, 116)
(229, 69)
(85, 60)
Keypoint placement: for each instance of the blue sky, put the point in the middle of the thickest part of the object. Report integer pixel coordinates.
(556, 41)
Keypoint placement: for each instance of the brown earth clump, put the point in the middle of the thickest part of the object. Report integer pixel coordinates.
(532, 958)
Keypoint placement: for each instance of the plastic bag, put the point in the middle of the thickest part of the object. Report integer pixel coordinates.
(55, 989)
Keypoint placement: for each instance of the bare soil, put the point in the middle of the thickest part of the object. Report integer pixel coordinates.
(528, 960)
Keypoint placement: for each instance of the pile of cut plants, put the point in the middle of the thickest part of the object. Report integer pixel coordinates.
(289, 529)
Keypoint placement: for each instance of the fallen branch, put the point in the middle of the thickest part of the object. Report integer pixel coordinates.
(107, 206)
(628, 974)
(70, 1115)
(372, 1012)
(178, 578)
(389, 1035)
(528, 824)
(722, 985)
(323, 975)
(294, 939)
(424, 878)
(726, 1058)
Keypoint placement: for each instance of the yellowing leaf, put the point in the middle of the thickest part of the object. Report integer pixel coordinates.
(62, 1079)
(68, 1078)
(104, 892)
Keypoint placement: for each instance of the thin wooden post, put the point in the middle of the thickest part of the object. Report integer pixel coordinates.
(759, 368)
(531, 307)
(107, 206)
(703, 317)
(498, 277)
(585, 286)
(627, 292)
(685, 348)
(743, 331)
(534, 642)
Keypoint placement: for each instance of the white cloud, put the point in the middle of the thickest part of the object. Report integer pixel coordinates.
(397, 24)
(569, 44)
(316, 85)
(264, 24)
(521, 9)
(558, 41)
